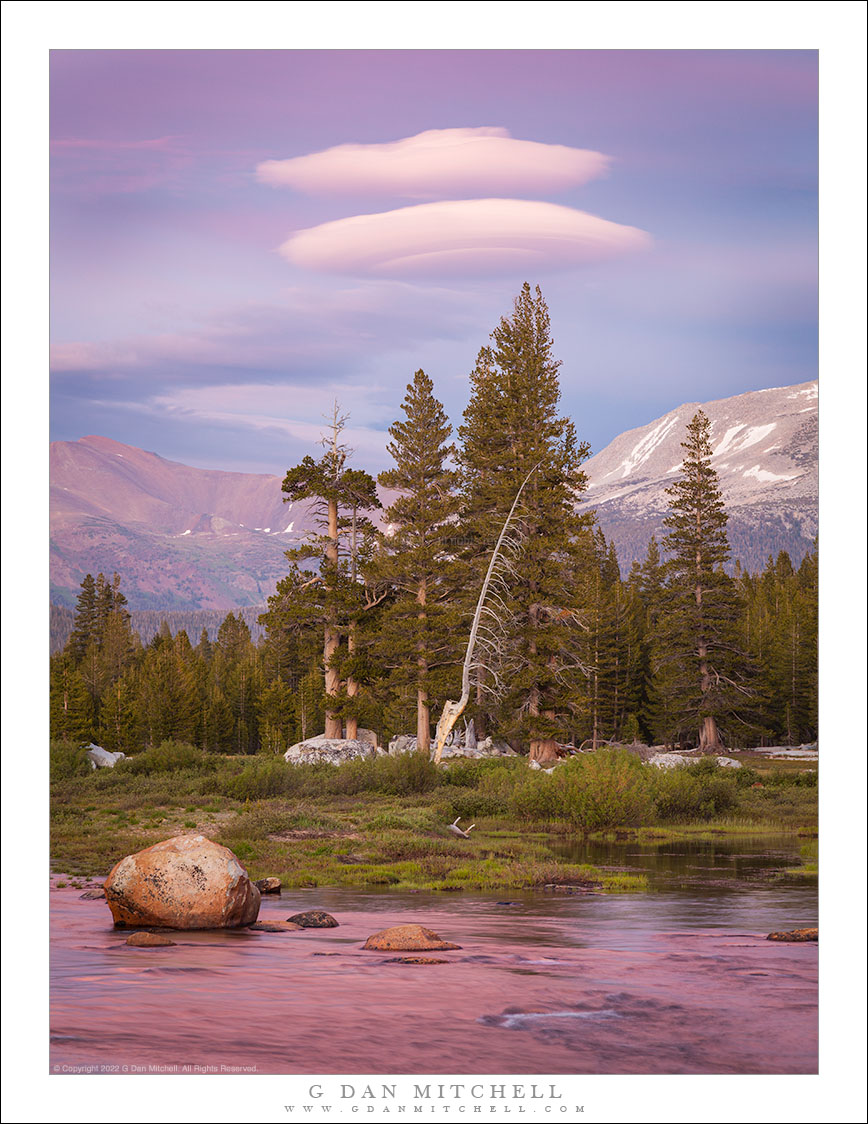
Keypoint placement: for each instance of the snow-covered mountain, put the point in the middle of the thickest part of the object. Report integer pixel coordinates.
(765, 454)
(191, 538)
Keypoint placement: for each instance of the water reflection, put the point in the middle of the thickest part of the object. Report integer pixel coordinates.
(598, 983)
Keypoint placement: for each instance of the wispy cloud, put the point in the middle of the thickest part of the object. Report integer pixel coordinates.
(99, 166)
(462, 237)
(288, 411)
(438, 162)
(311, 329)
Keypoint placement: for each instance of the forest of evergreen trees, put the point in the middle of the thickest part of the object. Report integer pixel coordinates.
(679, 652)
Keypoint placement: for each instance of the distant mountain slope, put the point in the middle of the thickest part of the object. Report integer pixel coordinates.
(180, 537)
(189, 538)
(765, 453)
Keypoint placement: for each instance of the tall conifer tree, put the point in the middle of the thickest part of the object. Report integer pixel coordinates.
(417, 637)
(698, 641)
(334, 595)
(511, 427)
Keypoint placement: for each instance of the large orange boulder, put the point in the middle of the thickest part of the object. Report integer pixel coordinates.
(407, 938)
(183, 883)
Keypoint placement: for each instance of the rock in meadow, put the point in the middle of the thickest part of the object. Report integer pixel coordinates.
(403, 743)
(314, 919)
(331, 751)
(148, 940)
(408, 938)
(268, 885)
(186, 882)
(100, 758)
(669, 760)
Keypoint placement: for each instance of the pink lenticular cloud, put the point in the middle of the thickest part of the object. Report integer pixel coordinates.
(436, 163)
(464, 236)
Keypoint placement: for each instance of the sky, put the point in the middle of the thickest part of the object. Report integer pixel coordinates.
(239, 238)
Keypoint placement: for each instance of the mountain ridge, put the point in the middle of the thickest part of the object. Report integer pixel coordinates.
(764, 449)
(185, 538)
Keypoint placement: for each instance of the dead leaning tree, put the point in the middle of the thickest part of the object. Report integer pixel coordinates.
(452, 711)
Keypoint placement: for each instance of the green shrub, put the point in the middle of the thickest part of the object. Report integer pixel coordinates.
(537, 799)
(467, 772)
(265, 777)
(700, 790)
(593, 792)
(492, 795)
(169, 757)
(792, 779)
(392, 776)
(66, 759)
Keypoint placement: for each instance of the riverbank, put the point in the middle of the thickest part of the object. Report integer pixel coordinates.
(295, 823)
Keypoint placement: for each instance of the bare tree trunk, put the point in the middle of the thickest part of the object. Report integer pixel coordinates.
(709, 735)
(333, 724)
(481, 727)
(423, 714)
(543, 750)
(453, 710)
(352, 684)
(423, 722)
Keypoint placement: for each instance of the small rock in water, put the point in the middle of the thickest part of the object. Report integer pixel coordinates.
(274, 927)
(415, 960)
(268, 885)
(795, 935)
(407, 938)
(148, 940)
(92, 895)
(314, 919)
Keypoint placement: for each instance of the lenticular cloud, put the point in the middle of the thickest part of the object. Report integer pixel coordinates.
(436, 163)
(461, 237)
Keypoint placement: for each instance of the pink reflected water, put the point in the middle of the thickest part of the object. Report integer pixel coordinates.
(591, 986)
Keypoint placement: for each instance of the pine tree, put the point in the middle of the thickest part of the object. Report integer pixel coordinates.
(334, 596)
(71, 705)
(84, 626)
(697, 642)
(417, 637)
(512, 428)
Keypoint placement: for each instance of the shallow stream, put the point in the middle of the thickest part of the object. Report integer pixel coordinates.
(676, 980)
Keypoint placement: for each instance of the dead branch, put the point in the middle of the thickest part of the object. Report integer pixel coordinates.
(453, 710)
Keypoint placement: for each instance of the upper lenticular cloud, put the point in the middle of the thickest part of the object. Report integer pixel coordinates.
(462, 237)
(436, 163)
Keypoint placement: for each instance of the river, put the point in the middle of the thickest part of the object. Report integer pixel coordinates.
(676, 980)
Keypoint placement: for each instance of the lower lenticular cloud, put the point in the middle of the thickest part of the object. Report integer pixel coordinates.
(438, 162)
(462, 237)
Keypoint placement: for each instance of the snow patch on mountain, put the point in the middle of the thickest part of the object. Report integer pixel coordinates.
(644, 448)
(770, 494)
(765, 476)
